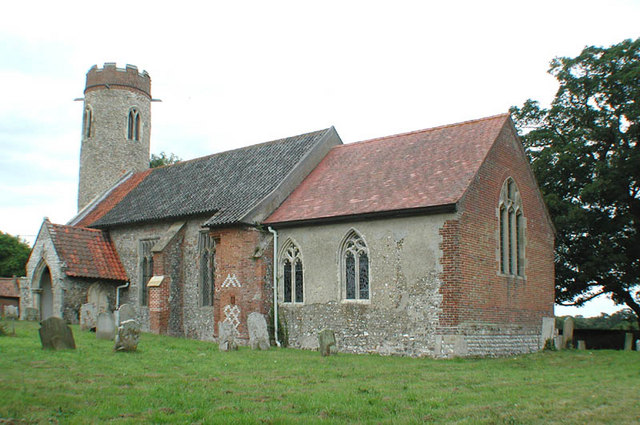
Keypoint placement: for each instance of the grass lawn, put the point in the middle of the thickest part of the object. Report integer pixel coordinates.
(176, 381)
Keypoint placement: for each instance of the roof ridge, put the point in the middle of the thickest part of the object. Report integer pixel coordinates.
(242, 148)
(426, 130)
(76, 227)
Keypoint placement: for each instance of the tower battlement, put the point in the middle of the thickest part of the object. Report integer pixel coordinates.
(110, 76)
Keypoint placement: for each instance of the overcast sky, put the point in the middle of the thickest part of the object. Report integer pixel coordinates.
(230, 74)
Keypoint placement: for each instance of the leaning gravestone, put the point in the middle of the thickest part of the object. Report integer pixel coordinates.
(226, 337)
(31, 314)
(326, 339)
(126, 312)
(105, 327)
(56, 335)
(87, 317)
(258, 334)
(567, 332)
(128, 336)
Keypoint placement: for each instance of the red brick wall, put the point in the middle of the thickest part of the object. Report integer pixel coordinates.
(237, 254)
(473, 291)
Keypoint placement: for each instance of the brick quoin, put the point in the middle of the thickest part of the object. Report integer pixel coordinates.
(238, 254)
(473, 290)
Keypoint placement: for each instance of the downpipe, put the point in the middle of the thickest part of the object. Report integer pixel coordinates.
(275, 285)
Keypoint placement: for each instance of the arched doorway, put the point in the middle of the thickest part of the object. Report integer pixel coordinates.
(46, 295)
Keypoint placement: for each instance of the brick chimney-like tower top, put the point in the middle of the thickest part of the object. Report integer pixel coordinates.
(116, 128)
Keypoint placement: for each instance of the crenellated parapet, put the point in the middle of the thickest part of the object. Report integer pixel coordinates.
(112, 77)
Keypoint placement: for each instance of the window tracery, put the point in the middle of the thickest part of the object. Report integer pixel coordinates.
(355, 268)
(292, 274)
(511, 222)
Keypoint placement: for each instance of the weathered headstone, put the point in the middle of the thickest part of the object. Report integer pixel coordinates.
(258, 334)
(98, 296)
(128, 336)
(56, 335)
(628, 341)
(105, 326)
(548, 330)
(567, 332)
(582, 345)
(126, 312)
(326, 339)
(637, 344)
(87, 317)
(226, 337)
(11, 312)
(31, 314)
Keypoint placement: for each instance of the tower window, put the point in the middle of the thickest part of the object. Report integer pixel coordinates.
(511, 230)
(87, 122)
(133, 125)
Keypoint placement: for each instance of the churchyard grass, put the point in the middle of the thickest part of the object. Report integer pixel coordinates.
(170, 380)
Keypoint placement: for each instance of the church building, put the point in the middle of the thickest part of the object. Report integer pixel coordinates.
(429, 243)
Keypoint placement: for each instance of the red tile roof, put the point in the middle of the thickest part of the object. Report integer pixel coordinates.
(9, 287)
(86, 252)
(113, 198)
(421, 169)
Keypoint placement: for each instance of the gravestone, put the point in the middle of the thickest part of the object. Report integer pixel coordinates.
(99, 297)
(126, 312)
(567, 332)
(628, 341)
(258, 334)
(31, 314)
(637, 344)
(87, 317)
(56, 335)
(226, 337)
(582, 345)
(11, 312)
(548, 330)
(105, 326)
(128, 336)
(326, 339)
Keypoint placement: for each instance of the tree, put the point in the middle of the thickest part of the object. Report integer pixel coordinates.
(585, 153)
(163, 159)
(14, 254)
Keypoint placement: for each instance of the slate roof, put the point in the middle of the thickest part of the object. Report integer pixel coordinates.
(9, 287)
(420, 169)
(226, 185)
(86, 252)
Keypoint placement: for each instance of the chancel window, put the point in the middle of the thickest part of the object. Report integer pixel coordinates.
(355, 268)
(133, 125)
(146, 268)
(207, 254)
(512, 223)
(87, 122)
(292, 274)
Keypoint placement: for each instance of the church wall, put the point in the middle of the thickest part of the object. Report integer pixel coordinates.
(243, 272)
(486, 312)
(402, 313)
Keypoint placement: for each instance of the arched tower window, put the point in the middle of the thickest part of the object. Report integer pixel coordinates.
(292, 274)
(133, 125)
(355, 267)
(512, 223)
(87, 122)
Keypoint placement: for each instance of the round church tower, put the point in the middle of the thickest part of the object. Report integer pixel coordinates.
(116, 128)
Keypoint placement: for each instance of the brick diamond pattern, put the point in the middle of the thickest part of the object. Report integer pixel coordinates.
(232, 315)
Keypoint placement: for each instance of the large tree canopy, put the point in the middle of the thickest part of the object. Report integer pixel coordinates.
(585, 154)
(14, 254)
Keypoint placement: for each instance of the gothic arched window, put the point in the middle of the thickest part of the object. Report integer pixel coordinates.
(355, 267)
(133, 125)
(512, 225)
(146, 268)
(292, 274)
(207, 253)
